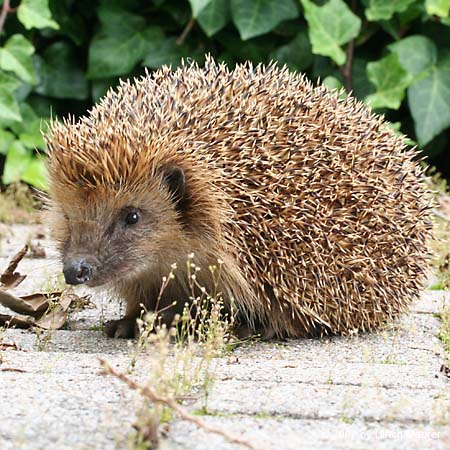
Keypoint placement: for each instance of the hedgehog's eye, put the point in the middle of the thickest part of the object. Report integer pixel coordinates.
(132, 217)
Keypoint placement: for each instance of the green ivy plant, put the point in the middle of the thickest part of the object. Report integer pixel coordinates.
(58, 57)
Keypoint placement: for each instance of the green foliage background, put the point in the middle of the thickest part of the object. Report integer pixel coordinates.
(59, 56)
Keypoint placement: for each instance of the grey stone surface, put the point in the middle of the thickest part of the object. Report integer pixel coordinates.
(371, 391)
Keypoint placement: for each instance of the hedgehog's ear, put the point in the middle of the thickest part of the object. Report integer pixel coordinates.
(176, 182)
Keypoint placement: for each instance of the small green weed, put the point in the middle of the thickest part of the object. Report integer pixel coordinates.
(444, 332)
(180, 358)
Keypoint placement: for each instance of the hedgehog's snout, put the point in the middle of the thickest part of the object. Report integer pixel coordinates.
(77, 271)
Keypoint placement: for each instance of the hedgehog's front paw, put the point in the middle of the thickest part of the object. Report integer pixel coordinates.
(244, 331)
(123, 328)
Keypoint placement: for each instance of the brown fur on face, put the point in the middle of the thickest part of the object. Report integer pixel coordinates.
(94, 228)
(133, 260)
(319, 213)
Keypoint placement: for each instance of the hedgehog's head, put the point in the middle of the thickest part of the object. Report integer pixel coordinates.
(120, 207)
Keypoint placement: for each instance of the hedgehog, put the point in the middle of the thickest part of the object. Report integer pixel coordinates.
(319, 214)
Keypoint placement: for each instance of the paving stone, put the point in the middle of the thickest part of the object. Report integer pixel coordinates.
(378, 390)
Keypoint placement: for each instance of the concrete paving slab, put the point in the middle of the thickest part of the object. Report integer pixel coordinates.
(378, 390)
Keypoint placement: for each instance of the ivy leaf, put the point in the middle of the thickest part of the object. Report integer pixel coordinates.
(413, 12)
(71, 23)
(6, 139)
(36, 174)
(415, 53)
(33, 138)
(42, 106)
(214, 16)
(111, 55)
(8, 81)
(60, 75)
(255, 17)
(166, 51)
(390, 80)
(122, 42)
(331, 26)
(361, 85)
(332, 83)
(114, 18)
(198, 6)
(100, 87)
(385, 9)
(180, 15)
(21, 165)
(396, 126)
(15, 57)
(35, 14)
(437, 7)
(9, 108)
(29, 129)
(16, 162)
(254, 50)
(429, 102)
(296, 55)
(27, 115)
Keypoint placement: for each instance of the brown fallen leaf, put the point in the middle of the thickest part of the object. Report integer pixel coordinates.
(12, 369)
(7, 320)
(57, 316)
(52, 314)
(8, 346)
(46, 310)
(10, 279)
(31, 305)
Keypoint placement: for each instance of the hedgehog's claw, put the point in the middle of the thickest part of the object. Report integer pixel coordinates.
(244, 331)
(123, 328)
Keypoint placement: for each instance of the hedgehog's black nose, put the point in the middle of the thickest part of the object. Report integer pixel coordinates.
(77, 272)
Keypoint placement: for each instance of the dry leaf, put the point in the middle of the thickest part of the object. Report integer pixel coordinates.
(57, 315)
(54, 319)
(12, 369)
(9, 278)
(8, 346)
(31, 305)
(51, 314)
(16, 321)
(47, 310)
